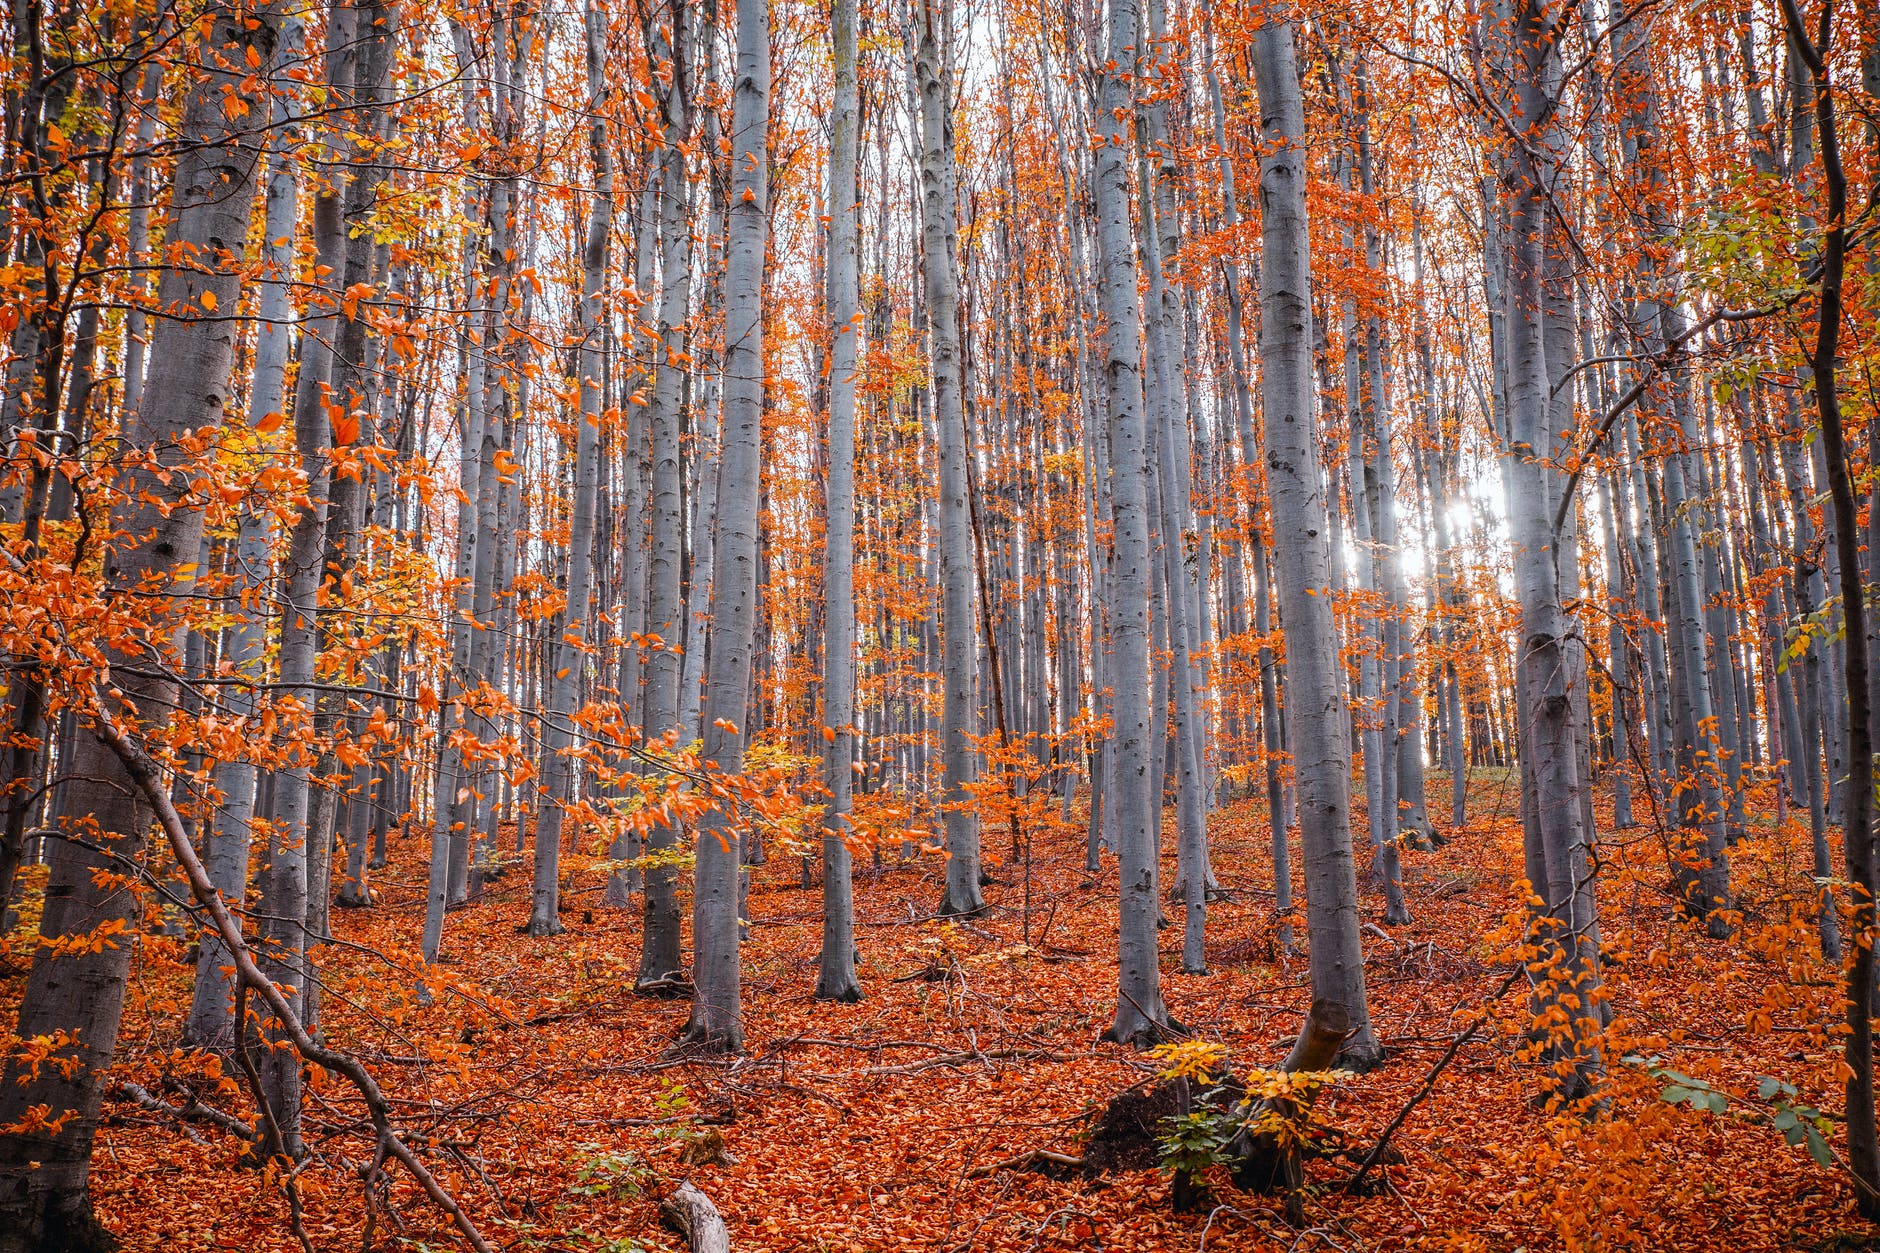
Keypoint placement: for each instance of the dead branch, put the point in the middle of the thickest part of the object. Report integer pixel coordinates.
(145, 773)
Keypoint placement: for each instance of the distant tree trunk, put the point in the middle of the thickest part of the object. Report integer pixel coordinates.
(1863, 1144)
(211, 1020)
(1170, 454)
(45, 1197)
(1549, 749)
(835, 980)
(716, 1022)
(1321, 751)
(938, 206)
(571, 653)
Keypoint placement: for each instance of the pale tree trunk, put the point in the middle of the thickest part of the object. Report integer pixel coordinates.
(660, 956)
(45, 1199)
(716, 1022)
(450, 799)
(1405, 803)
(1271, 749)
(283, 876)
(835, 979)
(1161, 225)
(211, 1021)
(629, 844)
(1703, 873)
(352, 391)
(1135, 760)
(1549, 751)
(705, 462)
(571, 652)
(1302, 556)
(938, 205)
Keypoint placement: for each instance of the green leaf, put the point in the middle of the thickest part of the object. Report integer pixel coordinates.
(1818, 1148)
(1768, 1087)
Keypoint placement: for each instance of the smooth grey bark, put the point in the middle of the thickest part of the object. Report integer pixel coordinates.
(716, 1022)
(137, 233)
(1562, 924)
(1278, 807)
(835, 977)
(572, 649)
(45, 1200)
(353, 391)
(705, 478)
(286, 876)
(1134, 760)
(1170, 454)
(451, 795)
(1405, 803)
(629, 844)
(1302, 556)
(660, 952)
(939, 201)
(211, 1020)
(1702, 868)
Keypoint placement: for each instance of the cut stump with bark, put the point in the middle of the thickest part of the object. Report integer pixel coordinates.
(1261, 1162)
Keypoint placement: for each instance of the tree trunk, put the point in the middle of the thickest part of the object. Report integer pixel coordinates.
(716, 1022)
(45, 1199)
(1321, 751)
(835, 979)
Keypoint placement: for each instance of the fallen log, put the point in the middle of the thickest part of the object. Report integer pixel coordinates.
(688, 1212)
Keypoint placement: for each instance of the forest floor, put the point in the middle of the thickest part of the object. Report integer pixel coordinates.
(553, 1111)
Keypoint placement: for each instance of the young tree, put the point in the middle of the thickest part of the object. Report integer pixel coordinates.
(939, 206)
(571, 654)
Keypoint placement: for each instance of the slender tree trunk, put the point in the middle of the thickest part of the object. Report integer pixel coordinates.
(1321, 756)
(660, 956)
(717, 1022)
(571, 653)
(1135, 759)
(835, 979)
(938, 207)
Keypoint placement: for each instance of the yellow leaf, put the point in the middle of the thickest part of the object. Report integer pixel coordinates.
(208, 301)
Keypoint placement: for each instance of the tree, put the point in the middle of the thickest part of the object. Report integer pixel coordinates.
(939, 201)
(716, 1022)
(1136, 762)
(1302, 555)
(76, 996)
(571, 655)
(835, 978)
